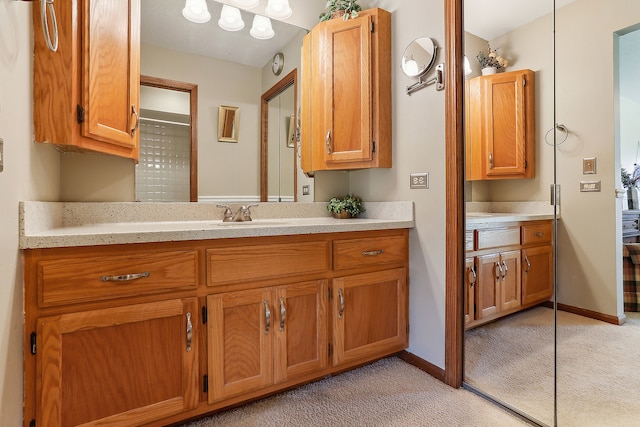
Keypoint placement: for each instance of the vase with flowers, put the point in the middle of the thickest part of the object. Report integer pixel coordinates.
(490, 61)
(345, 9)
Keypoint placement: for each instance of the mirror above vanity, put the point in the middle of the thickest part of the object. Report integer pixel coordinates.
(230, 68)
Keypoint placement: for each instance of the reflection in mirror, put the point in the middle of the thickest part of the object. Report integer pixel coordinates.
(418, 57)
(230, 68)
(228, 123)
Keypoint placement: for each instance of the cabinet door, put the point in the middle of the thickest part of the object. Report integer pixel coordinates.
(508, 111)
(118, 366)
(369, 315)
(347, 90)
(487, 294)
(537, 274)
(111, 61)
(509, 280)
(300, 329)
(470, 279)
(240, 342)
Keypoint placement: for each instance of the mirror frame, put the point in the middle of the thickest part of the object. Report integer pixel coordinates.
(287, 81)
(223, 111)
(192, 90)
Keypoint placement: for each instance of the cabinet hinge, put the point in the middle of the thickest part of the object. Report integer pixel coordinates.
(373, 146)
(32, 423)
(329, 350)
(205, 383)
(32, 342)
(524, 82)
(372, 27)
(79, 114)
(408, 328)
(525, 164)
(204, 315)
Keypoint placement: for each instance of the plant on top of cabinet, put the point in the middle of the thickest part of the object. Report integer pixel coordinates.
(86, 94)
(346, 72)
(341, 8)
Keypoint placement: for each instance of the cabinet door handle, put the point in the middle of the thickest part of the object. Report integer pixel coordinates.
(473, 276)
(498, 270)
(505, 270)
(327, 141)
(267, 318)
(490, 160)
(135, 126)
(526, 259)
(283, 314)
(341, 302)
(124, 277)
(373, 253)
(189, 331)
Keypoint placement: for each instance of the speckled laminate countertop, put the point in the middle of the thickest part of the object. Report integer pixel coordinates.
(62, 224)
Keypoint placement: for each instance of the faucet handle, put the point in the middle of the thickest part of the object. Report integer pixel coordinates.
(246, 211)
(228, 213)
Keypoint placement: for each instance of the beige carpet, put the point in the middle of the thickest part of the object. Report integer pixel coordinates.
(389, 392)
(598, 375)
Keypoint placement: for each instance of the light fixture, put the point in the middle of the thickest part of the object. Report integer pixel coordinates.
(278, 9)
(230, 18)
(196, 11)
(467, 66)
(246, 4)
(261, 28)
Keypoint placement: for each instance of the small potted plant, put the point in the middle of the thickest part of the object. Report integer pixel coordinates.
(490, 61)
(345, 207)
(344, 8)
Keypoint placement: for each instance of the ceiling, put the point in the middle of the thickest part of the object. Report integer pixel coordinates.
(162, 24)
(489, 19)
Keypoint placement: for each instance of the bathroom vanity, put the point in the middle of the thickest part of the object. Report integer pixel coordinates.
(131, 322)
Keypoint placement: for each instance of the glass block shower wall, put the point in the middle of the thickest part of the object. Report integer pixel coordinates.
(163, 170)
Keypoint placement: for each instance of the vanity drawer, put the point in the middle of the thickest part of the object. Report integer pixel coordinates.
(350, 253)
(540, 233)
(468, 240)
(92, 277)
(496, 237)
(250, 263)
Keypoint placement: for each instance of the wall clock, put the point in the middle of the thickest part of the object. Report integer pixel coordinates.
(277, 63)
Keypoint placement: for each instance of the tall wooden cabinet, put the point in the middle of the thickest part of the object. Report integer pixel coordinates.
(500, 128)
(86, 94)
(346, 93)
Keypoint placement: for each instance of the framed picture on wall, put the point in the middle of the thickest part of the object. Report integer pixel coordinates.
(291, 131)
(228, 122)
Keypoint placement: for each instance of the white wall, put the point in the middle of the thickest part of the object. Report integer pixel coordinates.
(31, 172)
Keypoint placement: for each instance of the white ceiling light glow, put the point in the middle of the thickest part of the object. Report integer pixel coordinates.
(278, 9)
(246, 4)
(230, 19)
(196, 11)
(261, 28)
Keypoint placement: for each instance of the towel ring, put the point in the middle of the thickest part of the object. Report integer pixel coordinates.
(561, 128)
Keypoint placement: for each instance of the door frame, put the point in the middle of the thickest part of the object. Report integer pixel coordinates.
(192, 90)
(454, 202)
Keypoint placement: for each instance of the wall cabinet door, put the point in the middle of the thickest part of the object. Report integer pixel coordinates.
(509, 282)
(537, 274)
(346, 94)
(87, 92)
(118, 366)
(501, 126)
(369, 315)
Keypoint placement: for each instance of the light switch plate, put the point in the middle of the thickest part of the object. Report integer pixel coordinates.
(588, 165)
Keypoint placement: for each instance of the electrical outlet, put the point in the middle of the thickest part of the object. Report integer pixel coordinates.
(419, 180)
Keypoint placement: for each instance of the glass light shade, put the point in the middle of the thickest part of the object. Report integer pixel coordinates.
(196, 11)
(411, 67)
(467, 66)
(246, 4)
(261, 28)
(230, 19)
(278, 9)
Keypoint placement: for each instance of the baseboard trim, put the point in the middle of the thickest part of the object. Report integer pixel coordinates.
(423, 365)
(614, 320)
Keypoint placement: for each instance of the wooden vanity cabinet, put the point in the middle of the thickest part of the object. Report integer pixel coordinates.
(86, 94)
(500, 130)
(510, 268)
(153, 334)
(346, 94)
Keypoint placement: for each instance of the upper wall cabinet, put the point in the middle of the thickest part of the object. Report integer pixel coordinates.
(346, 94)
(500, 126)
(86, 94)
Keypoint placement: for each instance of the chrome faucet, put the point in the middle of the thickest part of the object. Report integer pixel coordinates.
(242, 214)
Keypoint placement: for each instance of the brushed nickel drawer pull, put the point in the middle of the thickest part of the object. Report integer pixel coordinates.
(538, 234)
(267, 318)
(189, 331)
(373, 253)
(341, 308)
(124, 277)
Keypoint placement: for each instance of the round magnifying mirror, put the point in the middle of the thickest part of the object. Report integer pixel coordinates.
(418, 57)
